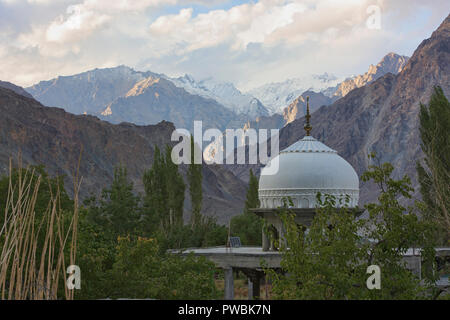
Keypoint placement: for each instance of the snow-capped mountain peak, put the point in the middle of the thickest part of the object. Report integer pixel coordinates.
(277, 95)
(223, 92)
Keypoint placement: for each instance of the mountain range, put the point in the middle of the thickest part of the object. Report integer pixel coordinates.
(376, 111)
(56, 138)
(122, 94)
(225, 93)
(288, 98)
(382, 116)
(278, 95)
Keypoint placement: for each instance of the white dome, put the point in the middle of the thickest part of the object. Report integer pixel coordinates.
(305, 168)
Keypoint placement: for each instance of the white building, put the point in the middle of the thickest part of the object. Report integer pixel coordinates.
(305, 168)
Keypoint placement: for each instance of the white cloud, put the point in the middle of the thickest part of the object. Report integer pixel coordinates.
(268, 22)
(252, 43)
(237, 26)
(80, 23)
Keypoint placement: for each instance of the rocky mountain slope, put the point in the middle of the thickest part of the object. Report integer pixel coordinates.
(391, 63)
(53, 137)
(122, 94)
(383, 116)
(283, 97)
(155, 99)
(223, 92)
(297, 108)
(16, 89)
(88, 92)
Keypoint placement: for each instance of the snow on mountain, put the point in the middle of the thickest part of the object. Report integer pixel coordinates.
(223, 92)
(278, 95)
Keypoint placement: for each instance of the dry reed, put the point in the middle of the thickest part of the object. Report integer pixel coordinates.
(32, 250)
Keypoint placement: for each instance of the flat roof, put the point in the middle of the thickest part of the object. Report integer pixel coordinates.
(225, 250)
(242, 257)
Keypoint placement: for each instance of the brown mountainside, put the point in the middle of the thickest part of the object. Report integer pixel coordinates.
(16, 89)
(383, 116)
(53, 137)
(391, 63)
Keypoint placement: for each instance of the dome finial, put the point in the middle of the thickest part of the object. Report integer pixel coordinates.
(307, 126)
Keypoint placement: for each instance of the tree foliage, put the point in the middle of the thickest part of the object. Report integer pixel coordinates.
(164, 194)
(330, 259)
(434, 173)
(117, 209)
(248, 226)
(194, 177)
(140, 271)
(124, 240)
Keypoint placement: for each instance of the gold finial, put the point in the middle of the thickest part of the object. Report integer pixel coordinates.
(307, 126)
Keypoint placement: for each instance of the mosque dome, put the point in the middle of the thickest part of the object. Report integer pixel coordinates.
(302, 170)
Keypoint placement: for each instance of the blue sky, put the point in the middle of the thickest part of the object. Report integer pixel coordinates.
(248, 43)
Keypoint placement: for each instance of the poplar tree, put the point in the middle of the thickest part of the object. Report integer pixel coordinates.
(434, 172)
(194, 177)
(164, 194)
(175, 188)
(252, 200)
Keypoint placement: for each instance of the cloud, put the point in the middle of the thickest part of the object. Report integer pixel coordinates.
(81, 21)
(247, 43)
(84, 18)
(238, 26)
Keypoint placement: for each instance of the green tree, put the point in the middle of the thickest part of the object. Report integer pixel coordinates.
(118, 207)
(248, 226)
(252, 199)
(164, 194)
(194, 178)
(95, 256)
(434, 173)
(141, 271)
(175, 191)
(330, 259)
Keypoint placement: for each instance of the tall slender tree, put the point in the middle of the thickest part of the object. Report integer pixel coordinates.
(175, 188)
(434, 173)
(252, 200)
(195, 187)
(164, 193)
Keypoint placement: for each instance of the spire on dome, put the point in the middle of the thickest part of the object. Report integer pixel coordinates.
(307, 126)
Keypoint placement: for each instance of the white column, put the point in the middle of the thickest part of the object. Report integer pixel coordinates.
(229, 284)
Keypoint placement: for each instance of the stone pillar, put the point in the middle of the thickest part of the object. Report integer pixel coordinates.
(250, 289)
(265, 241)
(254, 280)
(229, 284)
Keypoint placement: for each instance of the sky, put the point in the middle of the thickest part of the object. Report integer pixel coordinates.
(246, 42)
